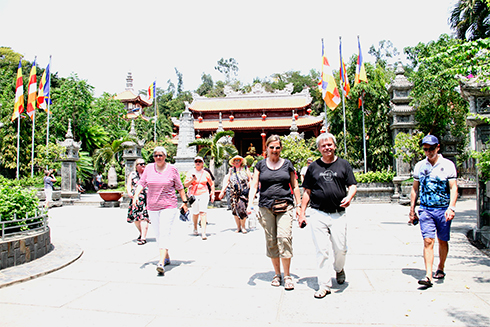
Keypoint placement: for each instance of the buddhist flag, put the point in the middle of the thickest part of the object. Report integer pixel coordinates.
(151, 91)
(32, 89)
(344, 79)
(43, 94)
(19, 94)
(327, 84)
(360, 70)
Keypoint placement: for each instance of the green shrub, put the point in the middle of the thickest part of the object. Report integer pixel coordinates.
(384, 176)
(15, 199)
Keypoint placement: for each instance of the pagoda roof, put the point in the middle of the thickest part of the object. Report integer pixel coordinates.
(129, 96)
(258, 99)
(256, 123)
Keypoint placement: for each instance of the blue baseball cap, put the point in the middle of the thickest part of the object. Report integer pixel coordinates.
(430, 140)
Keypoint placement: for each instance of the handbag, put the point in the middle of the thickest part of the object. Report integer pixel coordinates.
(279, 206)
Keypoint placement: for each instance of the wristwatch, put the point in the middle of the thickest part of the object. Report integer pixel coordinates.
(452, 208)
(184, 201)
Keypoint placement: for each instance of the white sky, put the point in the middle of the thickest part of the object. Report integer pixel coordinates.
(102, 40)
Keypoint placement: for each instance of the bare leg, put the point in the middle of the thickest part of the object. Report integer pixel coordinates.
(428, 256)
(163, 255)
(203, 224)
(137, 224)
(242, 224)
(194, 220)
(286, 263)
(237, 221)
(443, 251)
(143, 229)
(276, 263)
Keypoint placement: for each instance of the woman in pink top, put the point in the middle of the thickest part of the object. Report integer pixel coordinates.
(197, 180)
(162, 180)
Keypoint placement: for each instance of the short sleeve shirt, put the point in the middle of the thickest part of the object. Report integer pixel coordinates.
(274, 184)
(328, 183)
(434, 181)
(161, 187)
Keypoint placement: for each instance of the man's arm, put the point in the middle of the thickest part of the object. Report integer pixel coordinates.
(414, 193)
(351, 191)
(453, 196)
(304, 203)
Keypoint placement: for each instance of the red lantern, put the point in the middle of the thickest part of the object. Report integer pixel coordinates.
(200, 119)
(264, 116)
(198, 136)
(296, 116)
(174, 134)
(322, 131)
(263, 135)
(308, 111)
(231, 117)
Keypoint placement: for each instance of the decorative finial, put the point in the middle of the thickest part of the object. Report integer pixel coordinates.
(69, 134)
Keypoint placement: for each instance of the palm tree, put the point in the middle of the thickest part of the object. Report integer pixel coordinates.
(217, 148)
(109, 156)
(470, 19)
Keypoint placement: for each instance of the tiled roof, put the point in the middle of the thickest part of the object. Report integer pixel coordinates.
(260, 103)
(127, 96)
(257, 124)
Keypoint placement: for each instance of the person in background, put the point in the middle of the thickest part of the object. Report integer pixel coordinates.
(196, 181)
(49, 179)
(277, 178)
(238, 179)
(138, 215)
(329, 187)
(162, 180)
(304, 169)
(435, 178)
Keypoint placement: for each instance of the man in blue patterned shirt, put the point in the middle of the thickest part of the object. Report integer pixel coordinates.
(435, 176)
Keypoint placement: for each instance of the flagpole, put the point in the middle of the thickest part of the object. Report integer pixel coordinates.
(18, 144)
(47, 106)
(364, 134)
(155, 106)
(343, 96)
(33, 125)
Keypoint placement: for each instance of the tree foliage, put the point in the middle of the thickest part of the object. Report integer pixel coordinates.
(216, 149)
(470, 19)
(228, 67)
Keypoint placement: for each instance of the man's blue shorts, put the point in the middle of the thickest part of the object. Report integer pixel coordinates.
(432, 220)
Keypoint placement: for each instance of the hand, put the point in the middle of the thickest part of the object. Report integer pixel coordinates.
(412, 216)
(212, 198)
(449, 214)
(301, 220)
(130, 195)
(345, 202)
(221, 195)
(249, 210)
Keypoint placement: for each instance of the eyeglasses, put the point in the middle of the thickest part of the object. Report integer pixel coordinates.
(141, 164)
(158, 156)
(277, 147)
(237, 160)
(432, 148)
(198, 161)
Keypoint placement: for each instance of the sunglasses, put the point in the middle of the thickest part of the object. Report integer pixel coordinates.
(432, 148)
(158, 156)
(277, 147)
(198, 161)
(141, 164)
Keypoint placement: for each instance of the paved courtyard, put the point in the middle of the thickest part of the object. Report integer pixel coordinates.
(225, 281)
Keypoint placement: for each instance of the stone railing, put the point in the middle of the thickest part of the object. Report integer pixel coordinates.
(23, 240)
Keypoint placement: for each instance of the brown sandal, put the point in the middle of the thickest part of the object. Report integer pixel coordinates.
(276, 281)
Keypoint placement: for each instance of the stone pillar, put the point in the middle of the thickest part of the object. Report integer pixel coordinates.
(69, 166)
(402, 120)
(131, 152)
(184, 160)
(479, 105)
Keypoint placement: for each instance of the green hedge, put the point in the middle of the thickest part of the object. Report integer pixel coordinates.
(384, 176)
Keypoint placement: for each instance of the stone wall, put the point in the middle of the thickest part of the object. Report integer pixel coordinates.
(16, 250)
(374, 192)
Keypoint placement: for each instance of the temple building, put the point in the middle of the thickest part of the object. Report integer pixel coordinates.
(134, 104)
(254, 116)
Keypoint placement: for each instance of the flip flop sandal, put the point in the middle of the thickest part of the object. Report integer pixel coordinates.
(439, 274)
(288, 283)
(322, 292)
(426, 282)
(166, 262)
(276, 281)
(141, 242)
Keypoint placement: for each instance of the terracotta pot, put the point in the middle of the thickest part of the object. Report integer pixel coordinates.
(110, 196)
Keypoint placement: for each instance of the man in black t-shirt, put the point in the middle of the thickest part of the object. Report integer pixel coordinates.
(329, 186)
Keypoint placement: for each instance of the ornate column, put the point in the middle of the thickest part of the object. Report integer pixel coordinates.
(480, 134)
(69, 166)
(402, 120)
(184, 160)
(131, 152)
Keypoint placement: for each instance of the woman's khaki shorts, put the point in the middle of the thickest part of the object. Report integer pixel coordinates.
(278, 232)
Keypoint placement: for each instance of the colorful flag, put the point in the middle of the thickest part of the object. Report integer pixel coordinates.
(327, 84)
(360, 70)
(19, 94)
(43, 97)
(344, 79)
(32, 89)
(151, 91)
